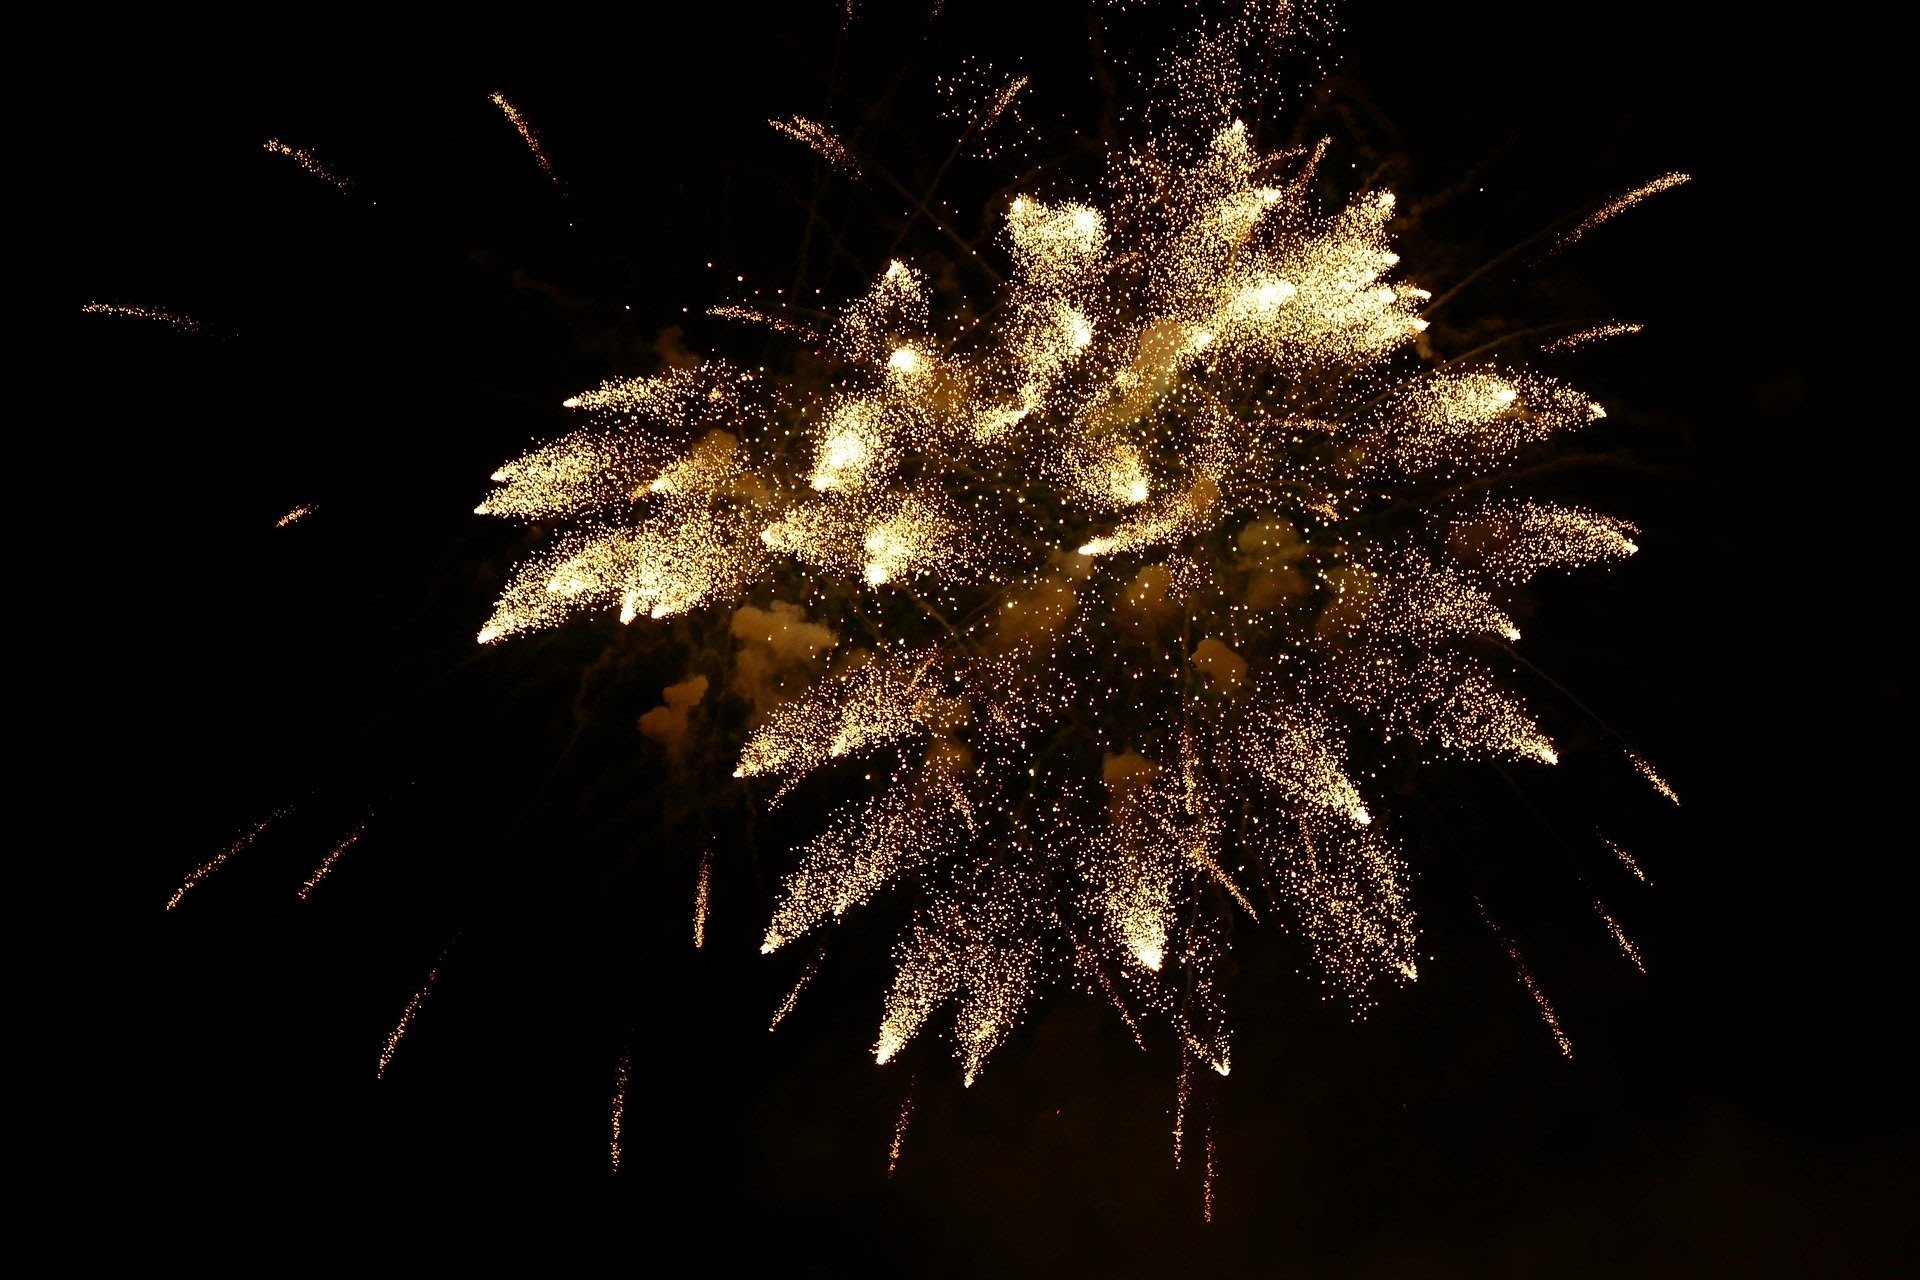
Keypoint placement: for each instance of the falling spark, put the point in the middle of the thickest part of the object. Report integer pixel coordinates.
(1621, 203)
(185, 324)
(1654, 780)
(219, 859)
(749, 315)
(1587, 337)
(700, 900)
(792, 997)
(617, 1110)
(899, 1133)
(308, 161)
(527, 135)
(406, 1018)
(1539, 998)
(333, 855)
(294, 516)
(1003, 100)
(1183, 1093)
(818, 138)
(1525, 975)
(1627, 860)
(1627, 949)
(1212, 1173)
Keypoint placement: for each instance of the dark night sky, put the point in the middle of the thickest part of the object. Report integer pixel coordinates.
(200, 1084)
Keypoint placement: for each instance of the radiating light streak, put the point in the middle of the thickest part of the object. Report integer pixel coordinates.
(1653, 778)
(294, 516)
(817, 138)
(617, 1111)
(1620, 938)
(407, 1015)
(1211, 1175)
(1525, 974)
(1587, 337)
(172, 319)
(792, 997)
(1003, 100)
(1627, 860)
(526, 133)
(333, 855)
(701, 885)
(899, 1133)
(750, 315)
(219, 859)
(308, 161)
(1621, 203)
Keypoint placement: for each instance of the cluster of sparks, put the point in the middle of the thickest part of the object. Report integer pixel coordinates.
(172, 319)
(1623, 202)
(218, 860)
(818, 138)
(308, 161)
(334, 855)
(1119, 600)
(527, 135)
(407, 1015)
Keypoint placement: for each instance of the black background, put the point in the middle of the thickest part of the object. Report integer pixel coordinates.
(200, 1083)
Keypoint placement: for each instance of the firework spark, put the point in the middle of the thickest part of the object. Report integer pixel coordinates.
(899, 1134)
(1183, 1093)
(617, 1110)
(219, 859)
(1627, 860)
(819, 139)
(308, 161)
(1122, 599)
(1210, 1176)
(1620, 938)
(1620, 204)
(1653, 778)
(792, 998)
(294, 516)
(333, 855)
(172, 319)
(700, 889)
(1527, 980)
(527, 135)
(752, 315)
(407, 1015)
(1589, 336)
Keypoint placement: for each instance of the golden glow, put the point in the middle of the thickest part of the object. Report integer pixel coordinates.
(1124, 599)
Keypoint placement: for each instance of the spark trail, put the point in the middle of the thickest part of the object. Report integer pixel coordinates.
(308, 161)
(219, 859)
(527, 135)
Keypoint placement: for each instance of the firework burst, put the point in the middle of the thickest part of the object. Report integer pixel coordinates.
(1120, 600)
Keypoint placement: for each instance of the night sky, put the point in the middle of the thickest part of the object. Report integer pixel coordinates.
(199, 1084)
